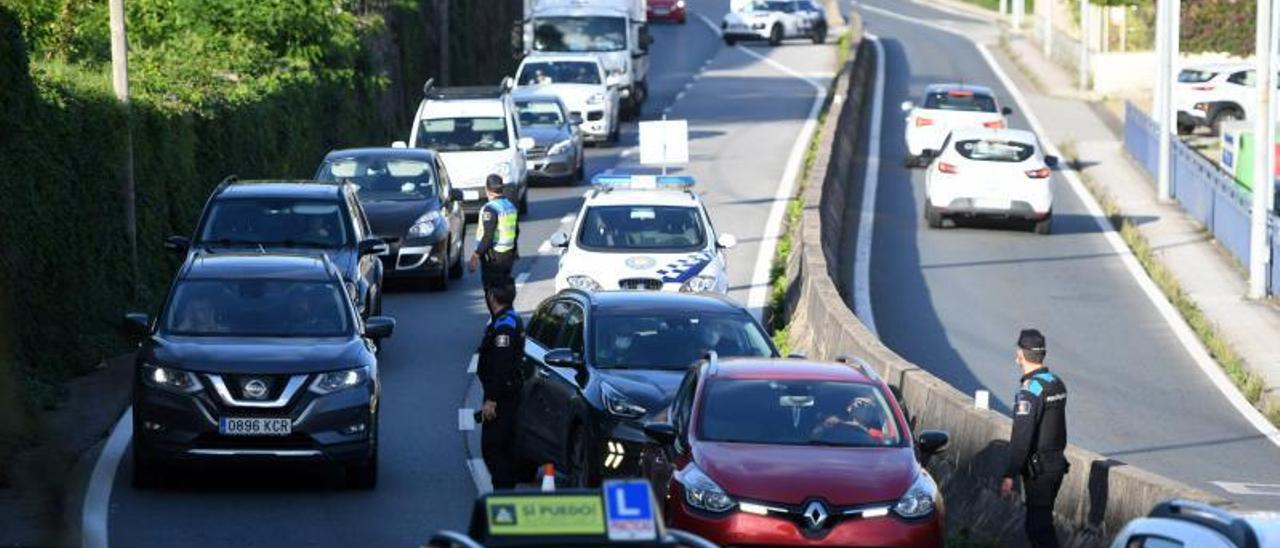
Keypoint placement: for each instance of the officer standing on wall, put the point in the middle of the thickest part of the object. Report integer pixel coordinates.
(1039, 439)
(498, 368)
(496, 237)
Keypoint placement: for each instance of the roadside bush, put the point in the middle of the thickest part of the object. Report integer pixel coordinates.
(1219, 26)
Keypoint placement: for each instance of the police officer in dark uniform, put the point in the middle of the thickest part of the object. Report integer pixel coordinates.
(1039, 439)
(498, 368)
(496, 237)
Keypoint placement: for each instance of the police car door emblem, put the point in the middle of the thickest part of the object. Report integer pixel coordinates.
(640, 262)
(815, 513)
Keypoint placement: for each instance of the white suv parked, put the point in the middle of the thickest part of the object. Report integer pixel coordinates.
(475, 132)
(1208, 95)
(579, 81)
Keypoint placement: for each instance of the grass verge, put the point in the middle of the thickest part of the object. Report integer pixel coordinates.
(775, 309)
(1249, 383)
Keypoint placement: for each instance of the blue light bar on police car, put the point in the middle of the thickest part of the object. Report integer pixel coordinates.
(643, 182)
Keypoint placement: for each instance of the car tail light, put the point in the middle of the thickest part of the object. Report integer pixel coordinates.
(1042, 173)
(947, 168)
(994, 124)
(1202, 88)
(921, 121)
(960, 93)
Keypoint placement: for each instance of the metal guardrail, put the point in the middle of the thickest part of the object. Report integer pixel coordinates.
(1204, 190)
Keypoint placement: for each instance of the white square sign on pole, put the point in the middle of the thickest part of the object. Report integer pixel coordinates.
(664, 142)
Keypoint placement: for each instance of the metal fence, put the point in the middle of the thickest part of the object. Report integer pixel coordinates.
(1203, 189)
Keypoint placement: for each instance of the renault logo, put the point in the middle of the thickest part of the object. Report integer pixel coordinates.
(815, 514)
(255, 389)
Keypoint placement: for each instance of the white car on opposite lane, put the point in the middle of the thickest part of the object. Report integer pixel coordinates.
(996, 173)
(947, 107)
(775, 21)
(643, 233)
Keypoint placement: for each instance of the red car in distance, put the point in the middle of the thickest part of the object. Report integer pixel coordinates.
(666, 10)
(793, 452)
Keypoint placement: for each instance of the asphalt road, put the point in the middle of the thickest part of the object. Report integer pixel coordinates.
(952, 300)
(744, 116)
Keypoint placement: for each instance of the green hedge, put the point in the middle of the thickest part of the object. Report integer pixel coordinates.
(1219, 26)
(65, 271)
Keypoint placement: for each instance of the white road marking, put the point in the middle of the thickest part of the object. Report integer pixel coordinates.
(97, 499)
(710, 24)
(759, 290)
(866, 218)
(568, 217)
(1253, 489)
(480, 476)
(545, 248)
(522, 278)
(466, 419)
(473, 364)
(1186, 337)
(627, 153)
(678, 97)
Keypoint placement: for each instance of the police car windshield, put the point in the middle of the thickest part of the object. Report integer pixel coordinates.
(463, 134)
(797, 412)
(960, 100)
(545, 73)
(382, 179)
(672, 340)
(275, 222)
(579, 34)
(257, 308)
(642, 228)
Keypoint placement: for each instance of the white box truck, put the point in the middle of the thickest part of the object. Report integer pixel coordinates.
(615, 30)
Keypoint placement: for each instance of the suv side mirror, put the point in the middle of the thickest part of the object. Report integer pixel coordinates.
(563, 357)
(1051, 161)
(1006, 111)
(726, 241)
(379, 327)
(931, 442)
(177, 244)
(137, 324)
(559, 239)
(663, 433)
(373, 246)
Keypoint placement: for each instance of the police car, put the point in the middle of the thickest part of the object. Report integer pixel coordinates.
(643, 232)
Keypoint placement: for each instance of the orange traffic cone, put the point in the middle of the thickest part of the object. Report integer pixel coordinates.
(548, 478)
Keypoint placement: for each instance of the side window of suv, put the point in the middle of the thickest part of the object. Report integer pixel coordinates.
(571, 336)
(1242, 78)
(541, 329)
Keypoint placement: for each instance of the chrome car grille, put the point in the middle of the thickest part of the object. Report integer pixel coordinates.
(644, 284)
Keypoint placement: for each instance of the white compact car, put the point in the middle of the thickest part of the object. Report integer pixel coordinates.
(475, 132)
(1179, 523)
(1208, 95)
(948, 107)
(579, 81)
(775, 21)
(643, 233)
(999, 173)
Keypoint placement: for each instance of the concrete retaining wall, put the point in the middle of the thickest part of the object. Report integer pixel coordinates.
(1099, 495)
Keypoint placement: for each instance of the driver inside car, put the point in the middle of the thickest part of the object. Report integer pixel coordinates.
(860, 424)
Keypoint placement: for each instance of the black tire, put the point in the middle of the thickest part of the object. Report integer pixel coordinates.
(456, 269)
(1223, 115)
(148, 473)
(730, 41)
(775, 35)
(819, 34)
(932, 216)
(1044, 227)
(364, 476)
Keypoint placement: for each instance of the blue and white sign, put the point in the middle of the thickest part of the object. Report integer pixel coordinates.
(629, 511)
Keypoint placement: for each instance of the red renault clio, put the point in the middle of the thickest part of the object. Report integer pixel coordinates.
(792, 452)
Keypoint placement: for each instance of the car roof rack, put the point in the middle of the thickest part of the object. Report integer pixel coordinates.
(861, 365)
(1229, 525)
(431, 91)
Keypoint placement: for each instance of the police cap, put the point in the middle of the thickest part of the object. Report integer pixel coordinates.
(493, 183)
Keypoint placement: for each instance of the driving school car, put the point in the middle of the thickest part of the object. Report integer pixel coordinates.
(643, 232)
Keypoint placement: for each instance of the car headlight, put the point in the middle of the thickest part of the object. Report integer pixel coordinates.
(173, 380)
(560, 148)
(680, 4)
(502, 169)
(596, 99)
(618, 404)
(920, 499)
(701, 492)
(699, 284)
(425, 225)
(333, 381)
(582, 282)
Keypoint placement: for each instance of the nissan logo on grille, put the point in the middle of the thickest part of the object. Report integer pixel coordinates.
(254, 389)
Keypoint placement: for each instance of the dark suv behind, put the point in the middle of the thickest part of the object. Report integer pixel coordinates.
(270, 216)
(257, 357)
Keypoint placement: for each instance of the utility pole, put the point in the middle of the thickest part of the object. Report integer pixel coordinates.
(120, 82)
(1083, 69)
(1165, 115)
(1047, 42)
(1019, 8)
(1264, 136)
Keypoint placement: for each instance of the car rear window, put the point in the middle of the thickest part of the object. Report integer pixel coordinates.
(258, 308)
(797, 412)
(994, 150)
(1195, 76)
(961, 100)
